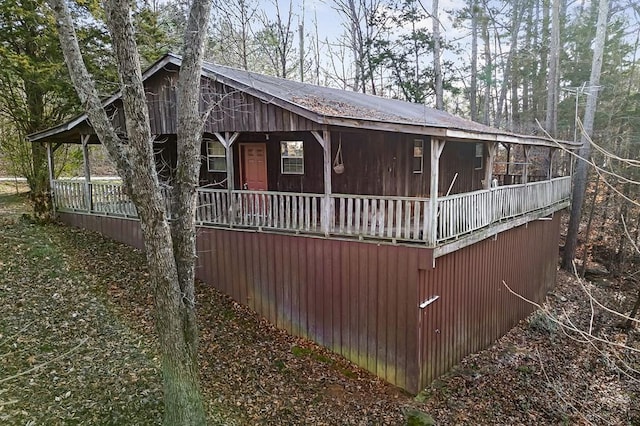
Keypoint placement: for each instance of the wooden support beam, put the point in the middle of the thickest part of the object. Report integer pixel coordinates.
(51, 170)
(325, 142)
(87, 172)
(525, 168)
(437, 145)
(552, 153)
(227, 141)
(492, 148)
(50, 165)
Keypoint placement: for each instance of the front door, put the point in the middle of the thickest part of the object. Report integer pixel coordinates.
(254, 166)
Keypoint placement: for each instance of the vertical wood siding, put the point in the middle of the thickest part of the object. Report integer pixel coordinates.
(361, 300)
(376, 163)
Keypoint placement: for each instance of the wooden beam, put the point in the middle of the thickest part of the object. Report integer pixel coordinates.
(525, 169)
(552, 152)
(492, 148)
(318, 137)
(325, 142)
(87, 171)
(437, 145)
(227, 141)
(50, 164)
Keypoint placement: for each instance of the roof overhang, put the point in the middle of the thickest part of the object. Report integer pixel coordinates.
(71, 131)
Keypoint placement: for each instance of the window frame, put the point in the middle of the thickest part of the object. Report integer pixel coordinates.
(211, 155)
(421, 156)
(478, 149)
(285, 156)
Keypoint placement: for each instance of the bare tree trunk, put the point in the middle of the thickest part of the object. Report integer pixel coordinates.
(473, 90)
(587, 231)
(437, 68)
(507, 72)
(551, 121)
(580, 176)
(488, 66)
(171, 261)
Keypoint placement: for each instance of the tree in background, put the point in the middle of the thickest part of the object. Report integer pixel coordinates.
(580, 175)
(37, 93)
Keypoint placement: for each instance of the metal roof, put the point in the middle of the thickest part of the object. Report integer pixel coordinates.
(334, 107)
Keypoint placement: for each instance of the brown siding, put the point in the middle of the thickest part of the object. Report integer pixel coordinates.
(376, 163)
(237, 111)
(362, 300)
(126, 231)
(474, 308)
(357, 299)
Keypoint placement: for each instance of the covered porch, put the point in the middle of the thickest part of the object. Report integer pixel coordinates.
(394, 219)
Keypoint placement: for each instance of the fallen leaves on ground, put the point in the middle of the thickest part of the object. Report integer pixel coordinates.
(77, 345)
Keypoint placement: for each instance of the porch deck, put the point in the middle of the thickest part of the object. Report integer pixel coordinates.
(395, 219)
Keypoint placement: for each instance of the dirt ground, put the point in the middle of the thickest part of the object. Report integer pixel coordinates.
(77, 345)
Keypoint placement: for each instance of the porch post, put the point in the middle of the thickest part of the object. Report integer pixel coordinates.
(87, 172)
(488, 164)
(227, 141)
(51, 175)
(50, 165)
(525, 169)
(437, 145)
(552, 152)
(325, 142)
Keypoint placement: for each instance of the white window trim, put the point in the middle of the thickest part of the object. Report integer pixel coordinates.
(210, 155)
(282, 158)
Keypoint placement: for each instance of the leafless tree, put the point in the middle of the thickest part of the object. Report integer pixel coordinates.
(170, 248)
(276, 39)
(580, 175)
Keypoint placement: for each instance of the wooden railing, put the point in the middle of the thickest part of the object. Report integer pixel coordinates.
(397, 218)
(461, 214)
(376, 217)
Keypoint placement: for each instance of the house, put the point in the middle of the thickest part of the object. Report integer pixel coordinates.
(375, 227)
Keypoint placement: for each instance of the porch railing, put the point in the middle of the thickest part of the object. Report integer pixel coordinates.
(461, 214)
(394, 218)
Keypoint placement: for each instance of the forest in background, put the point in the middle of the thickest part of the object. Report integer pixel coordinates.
(522, 65)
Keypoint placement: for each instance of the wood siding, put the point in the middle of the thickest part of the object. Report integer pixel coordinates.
(231, 109)
(362, 300)
(236, 111)
(376, 163)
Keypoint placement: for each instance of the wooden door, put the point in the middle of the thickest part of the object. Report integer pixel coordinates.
(254, 166)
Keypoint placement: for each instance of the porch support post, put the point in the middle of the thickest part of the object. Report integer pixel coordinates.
(325, 142)
(552, 153)
(492, 147)
(51, 175)
(87, 172)
(50, 165)
(525, 169)
(227, 141)
(437, 145)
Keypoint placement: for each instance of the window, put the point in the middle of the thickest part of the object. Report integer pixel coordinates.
(418, 151)
(478, 161)
(292, 157)
(216, 157)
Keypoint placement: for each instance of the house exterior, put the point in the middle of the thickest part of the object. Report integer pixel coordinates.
(375, 227)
